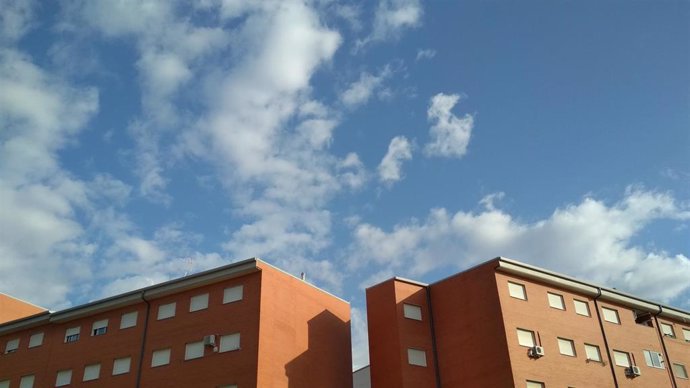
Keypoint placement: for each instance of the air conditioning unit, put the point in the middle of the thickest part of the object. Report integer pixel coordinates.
(536, 352)
(633, 371)
(210, 340)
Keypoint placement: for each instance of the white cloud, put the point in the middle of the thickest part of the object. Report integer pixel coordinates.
(360, 91)
(391, 18)
(425, 54)
(15, 19)
(450, 134)
(399, 150)
(360, 338)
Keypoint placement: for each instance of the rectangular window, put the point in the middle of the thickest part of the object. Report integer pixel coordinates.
(229, 342)
(621, 358)
(413, 312)
(610, 315)
(99, 327)
(36, 340)
(64, 377)
(194, 350)
(5, 384)
(12, 346)
(121, 365)
(517, 290)
(534, 384)
(416, 357)
(593, 353)
(199, 302)
(680, 371)
(581, 307)
(72, 335)
(228, 386)
(27, 381)
(92, 372)
(566, 347)
(525, 338)
(653, 359)
(686, 335)
(668, 330)
(160, 357)
(233, 294)
(166, 311)
(556, 301)
(129, 320)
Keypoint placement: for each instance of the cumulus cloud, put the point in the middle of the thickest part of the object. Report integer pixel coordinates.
(399, 150)
(360, 91)
(449, 134)
(589, 240)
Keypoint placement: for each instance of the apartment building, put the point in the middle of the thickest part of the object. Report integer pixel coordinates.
(508, 324)
(247, 324)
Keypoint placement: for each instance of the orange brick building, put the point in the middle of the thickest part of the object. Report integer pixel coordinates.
(246, 324)
(507, 324)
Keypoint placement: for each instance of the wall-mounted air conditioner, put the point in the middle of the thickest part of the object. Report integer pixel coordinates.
(633, 371)
(209, 340)
(536, 352)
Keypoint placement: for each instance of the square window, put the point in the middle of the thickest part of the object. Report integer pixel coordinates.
(121, 365)
(194, 350)
(5, 384)
(92, 372)
(556, 301)
(686, 335)
(610, 315)
(166, 311)
(525, 338)
(229, 342)
(413, 312)
(517, 290)
(581, 307)
(199, 302)
(36, 340)
(160, 357)
(566, 347)
(99, 327)
(680, 371)
(621, 358)
(233, 294)
(27, 381)
(64, 377)
(534, 384)
(12, 346)
(72, 335)
(653, 359)
(129, 320)
(593, 353)
(668, 330)
(416, 357)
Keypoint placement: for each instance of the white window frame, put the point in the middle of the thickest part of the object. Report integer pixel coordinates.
(160, 357)
(194, 350)
(680, 371)
(667, 330)
(129, 319)
(166, 311)
(565, 344)
(517, 290)
(233, 294)
(521, 333)
(122, 365)
(64, 377)
(412, 311)
(556, 301)
(198, 302)
(686, 334)
(606, 312)
(99, 327)
(416, 357)
(621, 358)
(653, 359)
(36, 339)
(92, 372)
(229, 343)
(27, 381)
(581, 308)
(12, 346)
(593, 353)
(72, 334)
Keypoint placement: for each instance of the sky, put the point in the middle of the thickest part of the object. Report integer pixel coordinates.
(354, 141)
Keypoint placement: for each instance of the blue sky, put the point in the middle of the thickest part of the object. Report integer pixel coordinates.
(353, 141)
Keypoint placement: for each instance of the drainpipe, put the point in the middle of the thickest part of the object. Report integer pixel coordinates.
(143, 339)
(433, 337)
(663, 347)
(606, 342)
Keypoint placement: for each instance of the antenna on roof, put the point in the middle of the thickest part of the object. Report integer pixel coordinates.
(303, 276)
(190, 264)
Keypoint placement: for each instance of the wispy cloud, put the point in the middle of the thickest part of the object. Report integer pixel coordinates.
(390, 168)
(391, 18)
(425, 54)
(449, 134)
(360, 91)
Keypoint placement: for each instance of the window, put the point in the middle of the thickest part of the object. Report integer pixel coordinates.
(92, 372)
(36, 340)
(64, 377)
(121, 365)
(581, 307)
(160, 357)
(412, 311)
(686, 335)
(668, 330)
(5, 384)
(680, 371)
(12, 346)
(72, 335)
(653, 359)
(416, 357)
(199, 302)
(566, 347)
(194, 350)
(233, 294)
(129, 320)
(525, 338)
(621, 358)
(229, 342)
(610, 315)
(166, 311)
(228, 386)
(534, 384)
(593, 353)
(99, 327)
(27, 381)
(517, 290)
(556, 301)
